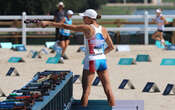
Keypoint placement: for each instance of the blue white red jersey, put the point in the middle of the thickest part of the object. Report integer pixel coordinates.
(95, 58)
(66, 32)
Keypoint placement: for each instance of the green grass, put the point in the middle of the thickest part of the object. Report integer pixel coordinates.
(116, 10)
(125, 10)
(155, 7)
(168, 1)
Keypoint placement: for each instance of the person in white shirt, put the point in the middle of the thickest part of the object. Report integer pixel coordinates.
(95, 55)
(160, 21)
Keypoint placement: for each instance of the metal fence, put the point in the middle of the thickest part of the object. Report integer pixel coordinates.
(24, 28)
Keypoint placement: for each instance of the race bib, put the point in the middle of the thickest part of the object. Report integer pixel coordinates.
(66, 31)
(98, 51)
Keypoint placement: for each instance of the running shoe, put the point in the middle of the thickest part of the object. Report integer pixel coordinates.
(65, 57)
(61, 60)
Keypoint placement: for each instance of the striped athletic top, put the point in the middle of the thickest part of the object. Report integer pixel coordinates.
(95, 45)
(159, 21)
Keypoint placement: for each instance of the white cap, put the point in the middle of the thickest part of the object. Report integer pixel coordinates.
(70, 12)
(89, 13)
(60, 4)
(158, 11)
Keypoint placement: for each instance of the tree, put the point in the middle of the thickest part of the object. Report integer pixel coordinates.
(12, 7)
(76, 5)
(95, 4)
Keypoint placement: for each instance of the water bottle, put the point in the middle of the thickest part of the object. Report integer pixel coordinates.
(58, 52)
(57, 48)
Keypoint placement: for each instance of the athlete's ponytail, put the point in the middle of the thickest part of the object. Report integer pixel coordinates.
(98, 17)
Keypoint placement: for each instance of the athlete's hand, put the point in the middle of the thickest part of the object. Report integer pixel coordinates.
(44, 23)
(160, 24)
(153, 20)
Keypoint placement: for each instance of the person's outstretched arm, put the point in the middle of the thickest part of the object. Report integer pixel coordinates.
(77, 28)
(165, 21)
(154, 20)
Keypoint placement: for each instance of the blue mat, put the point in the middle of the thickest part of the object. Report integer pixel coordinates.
(96, 81)
(103, 105)
(149, 86)
(10, 71)
(159, 44)
(6, 45)
(75, 77)
(92, 105)
(142, 58)
(169, 19)
(15, 59)
(49, 44)
(52, 60)
(168, 89)
(170, 47)
(19, 47)
(168, 61)
(123, 84)
(126, 61)
(15, 45)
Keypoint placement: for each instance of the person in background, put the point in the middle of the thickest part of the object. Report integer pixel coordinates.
(59, 16)
(65, 34)
(160, 21)
(95, 55)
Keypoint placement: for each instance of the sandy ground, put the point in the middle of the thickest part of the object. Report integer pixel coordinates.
(139, 74)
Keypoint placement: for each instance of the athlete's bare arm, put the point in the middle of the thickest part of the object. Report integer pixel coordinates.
(108, 41)
(78, 28)
(165, 21)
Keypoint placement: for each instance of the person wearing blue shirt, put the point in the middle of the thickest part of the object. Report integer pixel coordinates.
(65, 33)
